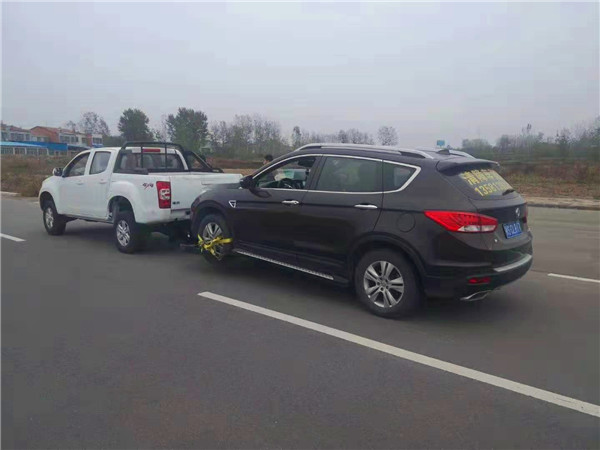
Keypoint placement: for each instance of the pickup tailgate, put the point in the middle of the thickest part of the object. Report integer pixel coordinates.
(185, 187)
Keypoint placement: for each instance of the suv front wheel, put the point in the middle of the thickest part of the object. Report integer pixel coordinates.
(211, 227)
(386, 283)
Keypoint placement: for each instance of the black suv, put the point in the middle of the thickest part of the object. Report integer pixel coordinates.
(397, 223)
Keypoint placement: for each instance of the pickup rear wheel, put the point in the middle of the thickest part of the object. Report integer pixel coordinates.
(129, 236)
(54, 223)
(211, 227)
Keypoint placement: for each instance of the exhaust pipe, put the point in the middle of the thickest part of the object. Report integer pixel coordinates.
(476, 296)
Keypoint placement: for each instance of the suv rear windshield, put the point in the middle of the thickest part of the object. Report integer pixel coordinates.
(481, 183)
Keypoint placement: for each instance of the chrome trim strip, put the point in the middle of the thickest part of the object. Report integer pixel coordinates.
(290, 266)
(404, 186)
(476, 296)
(514, 265)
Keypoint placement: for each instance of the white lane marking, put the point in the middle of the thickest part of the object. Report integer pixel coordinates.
(12, 238)
(530, 391)
(570, 277)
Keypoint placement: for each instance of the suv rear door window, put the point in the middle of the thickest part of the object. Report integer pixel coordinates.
(481, 183)
(341, 174)
(396, 176)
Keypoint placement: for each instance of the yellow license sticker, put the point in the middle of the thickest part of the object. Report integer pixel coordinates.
(485, 181)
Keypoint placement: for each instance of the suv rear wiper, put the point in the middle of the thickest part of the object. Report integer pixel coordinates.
(508, 191)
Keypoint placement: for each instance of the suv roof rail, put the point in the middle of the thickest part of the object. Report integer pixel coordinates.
(405, 151)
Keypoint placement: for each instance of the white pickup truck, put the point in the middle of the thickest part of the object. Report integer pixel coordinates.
(139, 188)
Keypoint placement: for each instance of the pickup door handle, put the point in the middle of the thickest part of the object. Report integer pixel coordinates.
(80, 183)
(290, 202)
(102, 181)
(365, 206)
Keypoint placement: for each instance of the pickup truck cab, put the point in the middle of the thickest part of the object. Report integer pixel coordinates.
(139, 188)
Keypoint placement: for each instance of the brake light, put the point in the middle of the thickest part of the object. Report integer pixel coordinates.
(152, 150)
(463, 222)
(164, 194)
(480, 280)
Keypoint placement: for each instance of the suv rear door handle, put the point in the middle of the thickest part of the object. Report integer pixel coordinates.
(365, 206)
(80, 183)
(290, 202)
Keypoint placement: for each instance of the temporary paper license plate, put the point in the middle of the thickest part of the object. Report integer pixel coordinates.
(512, 229)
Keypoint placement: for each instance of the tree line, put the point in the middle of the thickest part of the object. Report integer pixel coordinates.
(251, 136)
(583, 141)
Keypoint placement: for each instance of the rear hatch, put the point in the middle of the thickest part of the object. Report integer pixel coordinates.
(493, 196)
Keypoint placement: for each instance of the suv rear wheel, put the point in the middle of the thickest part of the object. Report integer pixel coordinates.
(386, 283)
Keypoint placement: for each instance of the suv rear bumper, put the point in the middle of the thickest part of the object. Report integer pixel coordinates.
(459, 287)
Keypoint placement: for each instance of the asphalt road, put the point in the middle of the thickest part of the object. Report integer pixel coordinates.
(105, 350)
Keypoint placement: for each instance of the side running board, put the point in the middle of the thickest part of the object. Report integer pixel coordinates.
(290, 266)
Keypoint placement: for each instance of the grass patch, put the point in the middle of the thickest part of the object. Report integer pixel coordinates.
(576, 179)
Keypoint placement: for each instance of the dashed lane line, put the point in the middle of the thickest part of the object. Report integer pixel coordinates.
(571, 277)
(530, 391)
(12, 238)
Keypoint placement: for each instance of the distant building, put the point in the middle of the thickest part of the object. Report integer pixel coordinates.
(74, 139)
(44, 140)
(15, 134)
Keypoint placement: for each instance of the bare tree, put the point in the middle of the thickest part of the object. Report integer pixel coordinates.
(92, 123)
(387, 136)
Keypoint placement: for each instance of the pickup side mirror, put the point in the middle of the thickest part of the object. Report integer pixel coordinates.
(57, 172)
(247, 182)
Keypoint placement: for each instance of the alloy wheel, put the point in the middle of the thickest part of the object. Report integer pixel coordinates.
(383, 284)
(49, 217)
(212, 231)
(123, 233)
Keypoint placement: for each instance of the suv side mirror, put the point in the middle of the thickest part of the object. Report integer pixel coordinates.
(247, 182)
(57, 172)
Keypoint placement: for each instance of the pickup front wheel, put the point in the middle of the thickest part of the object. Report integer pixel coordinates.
(53, 222)
(129, 237)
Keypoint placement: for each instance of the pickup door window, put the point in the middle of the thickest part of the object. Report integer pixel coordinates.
(72, 186)
(76, 168)
(100, 162)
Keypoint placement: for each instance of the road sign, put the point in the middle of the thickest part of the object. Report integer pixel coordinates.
(440, 143)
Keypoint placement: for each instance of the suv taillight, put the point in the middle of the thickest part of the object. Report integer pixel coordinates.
(463, 222)
(164, 194)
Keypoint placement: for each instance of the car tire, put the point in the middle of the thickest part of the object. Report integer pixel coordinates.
(210, 227)
(386, 283)
(129, 235)
(54, 223)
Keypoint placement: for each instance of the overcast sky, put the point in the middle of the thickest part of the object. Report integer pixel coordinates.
(448, 71)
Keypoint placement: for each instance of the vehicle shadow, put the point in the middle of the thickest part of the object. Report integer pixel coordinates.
(304, 287)
(102, 234)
